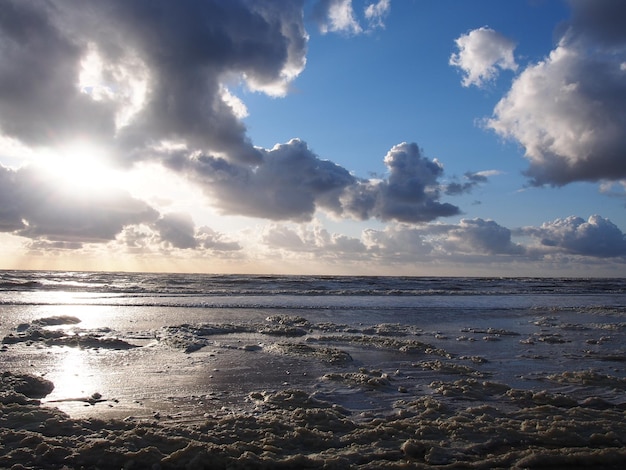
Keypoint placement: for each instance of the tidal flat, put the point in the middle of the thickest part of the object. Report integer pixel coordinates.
(537, 388)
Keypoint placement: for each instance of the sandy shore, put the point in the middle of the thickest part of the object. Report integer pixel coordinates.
(286, 392)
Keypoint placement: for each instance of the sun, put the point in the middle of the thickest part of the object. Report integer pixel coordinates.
(80, 166)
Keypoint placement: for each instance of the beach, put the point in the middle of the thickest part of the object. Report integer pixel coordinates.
(311, 372)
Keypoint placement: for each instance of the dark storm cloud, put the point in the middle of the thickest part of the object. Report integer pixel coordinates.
(189, 48)
(181, 51)
(39, 65)
(569, 110)
(597, 236)
(602, 21)
(35, 206)
(10, 206)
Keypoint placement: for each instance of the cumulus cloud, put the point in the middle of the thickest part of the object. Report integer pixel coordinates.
(482, 53)
(36, 206)
(338, 16)
(291, 182)
(409, 193)
(311, 239)
(470, 244)
(398, 242)
(481, 236)
(148, 81)
(476, 239)
(39, 66)
(209, 239)
(568, 111)
(174, 232)
(597, 236)
(177, 229)
(139, 73)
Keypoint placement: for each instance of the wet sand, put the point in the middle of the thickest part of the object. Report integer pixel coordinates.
(542, 388)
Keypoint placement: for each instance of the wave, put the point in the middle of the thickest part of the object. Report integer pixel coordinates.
(205, 285)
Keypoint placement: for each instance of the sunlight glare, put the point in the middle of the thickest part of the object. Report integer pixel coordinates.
(80, 166)
(73, 377)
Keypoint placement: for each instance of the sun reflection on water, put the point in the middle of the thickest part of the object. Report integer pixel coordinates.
(74, 376)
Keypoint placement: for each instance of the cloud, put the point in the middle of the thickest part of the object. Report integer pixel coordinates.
(209, 239)
(398, 243)
(338, 16)
(311, 239)
(598, 21)
(482, 53)
(149, 79)
(481, 236)
(375, 13)
(292, 183)
(409, 193)
(39, 65)
(597, 237)
(568, 111)
(289, 183)
(142, 72)
(177, 229)
(472, 179)
(37, 207)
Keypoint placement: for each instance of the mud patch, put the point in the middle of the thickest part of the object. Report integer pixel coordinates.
(34, 334)
(328, 355)
(450, 368)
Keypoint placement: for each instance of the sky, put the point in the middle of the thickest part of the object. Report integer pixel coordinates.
(373, 137)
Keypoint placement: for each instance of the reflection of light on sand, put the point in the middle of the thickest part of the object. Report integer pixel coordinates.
(74, 377)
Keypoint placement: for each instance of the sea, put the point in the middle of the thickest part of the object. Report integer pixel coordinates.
(367, 371)
(390, 294)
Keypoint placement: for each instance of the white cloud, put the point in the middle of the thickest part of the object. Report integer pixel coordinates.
(568, 111)
(483, 52)
(236, 104)
(481, 236)
(596, 237)
(339, 16)
(375, 13)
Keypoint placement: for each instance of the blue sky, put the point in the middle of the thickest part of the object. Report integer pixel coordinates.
(331, 136)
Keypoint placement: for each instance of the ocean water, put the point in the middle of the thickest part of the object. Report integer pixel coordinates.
(302, 292)
(517, 367)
